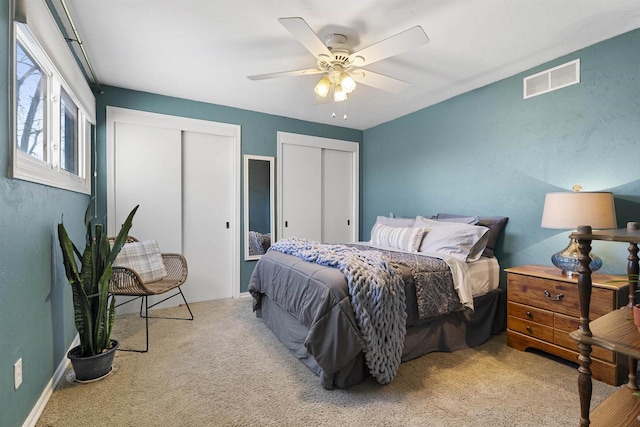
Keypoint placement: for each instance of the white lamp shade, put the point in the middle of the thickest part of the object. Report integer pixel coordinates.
(569, 210)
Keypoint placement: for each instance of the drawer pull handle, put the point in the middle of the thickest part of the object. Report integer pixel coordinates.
(549, 297)
(529, 315)
(529, 329)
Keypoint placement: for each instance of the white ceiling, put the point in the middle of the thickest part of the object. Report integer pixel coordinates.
(205, 49)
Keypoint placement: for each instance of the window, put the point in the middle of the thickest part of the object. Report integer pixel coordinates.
(30, 90)
(68, 134)
(52, 132)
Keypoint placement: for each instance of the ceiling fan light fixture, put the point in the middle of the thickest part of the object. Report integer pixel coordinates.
(323, 87)
(339, 94)
(338, 63)
(347, 83)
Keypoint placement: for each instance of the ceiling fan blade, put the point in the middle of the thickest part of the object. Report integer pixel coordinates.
(295, 73)
(379, 81)
(299, 28)
(410, 39)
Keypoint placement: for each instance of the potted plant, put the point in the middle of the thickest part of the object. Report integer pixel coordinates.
(93, 308)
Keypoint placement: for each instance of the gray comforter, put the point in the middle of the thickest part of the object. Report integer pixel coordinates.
(318, 297)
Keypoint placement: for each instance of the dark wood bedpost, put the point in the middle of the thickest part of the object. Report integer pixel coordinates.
(632, 272)
(584, 293)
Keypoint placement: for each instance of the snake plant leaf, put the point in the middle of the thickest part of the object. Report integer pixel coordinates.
(103, 332)
(70, 265)
(94, 308)
(110, 320)
(122, 236)
(82, 307)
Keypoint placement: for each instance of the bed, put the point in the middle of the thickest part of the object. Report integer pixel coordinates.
(449, 300)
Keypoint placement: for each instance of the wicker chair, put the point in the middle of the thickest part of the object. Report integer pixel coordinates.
(127, 282)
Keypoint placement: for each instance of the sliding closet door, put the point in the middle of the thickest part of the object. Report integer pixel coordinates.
(185, 174)
(147, 173)
(208, 214)
(317, 188)
(337, 196)
(301, 189)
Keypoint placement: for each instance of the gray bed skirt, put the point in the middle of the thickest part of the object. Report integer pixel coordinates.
(451, 332)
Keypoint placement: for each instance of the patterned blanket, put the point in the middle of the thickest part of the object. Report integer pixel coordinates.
(435, 292)
(377, 298)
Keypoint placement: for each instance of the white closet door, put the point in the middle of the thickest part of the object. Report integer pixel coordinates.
(147, 173)
(301, 192)
(209, 224)
(337, 196)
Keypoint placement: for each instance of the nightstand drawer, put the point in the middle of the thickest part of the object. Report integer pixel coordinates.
(566, 323)
(560, 297)
(532, 314)
(563, 339)
(530, 328)
(563, 326)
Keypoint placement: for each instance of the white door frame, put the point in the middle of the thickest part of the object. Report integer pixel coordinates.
(144, 118)
(320, 142)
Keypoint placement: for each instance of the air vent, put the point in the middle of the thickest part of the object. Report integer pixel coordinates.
(552, 79)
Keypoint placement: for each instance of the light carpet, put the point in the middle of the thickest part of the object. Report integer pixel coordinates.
(226, 368)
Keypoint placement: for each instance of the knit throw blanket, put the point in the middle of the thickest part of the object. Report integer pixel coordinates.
(377, 298)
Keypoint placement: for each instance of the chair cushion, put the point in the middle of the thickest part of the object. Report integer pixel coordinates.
(144, 258)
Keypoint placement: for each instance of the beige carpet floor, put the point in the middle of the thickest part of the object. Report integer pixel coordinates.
(226, 368)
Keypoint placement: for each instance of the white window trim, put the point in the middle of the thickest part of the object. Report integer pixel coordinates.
(48, 172)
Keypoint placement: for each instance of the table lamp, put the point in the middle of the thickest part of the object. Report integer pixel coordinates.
(568, 210)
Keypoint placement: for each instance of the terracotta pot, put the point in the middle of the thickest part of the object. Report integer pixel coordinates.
(92, 367)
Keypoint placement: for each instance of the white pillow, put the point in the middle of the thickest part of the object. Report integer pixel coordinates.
(405, 238)
(144, 258)
(463, 241)
(395, 222)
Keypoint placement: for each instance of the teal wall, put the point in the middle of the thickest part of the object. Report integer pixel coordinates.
(36, 312)
(485, 152)
(489, 152)
(259, 135)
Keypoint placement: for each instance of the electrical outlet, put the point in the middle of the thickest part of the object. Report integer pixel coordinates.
(17, 374)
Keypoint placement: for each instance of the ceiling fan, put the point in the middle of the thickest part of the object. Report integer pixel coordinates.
(341, 66)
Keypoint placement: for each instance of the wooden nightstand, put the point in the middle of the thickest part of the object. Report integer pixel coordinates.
(544, 307)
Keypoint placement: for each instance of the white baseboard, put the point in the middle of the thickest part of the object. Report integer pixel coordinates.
(33, 417)
(245, 295)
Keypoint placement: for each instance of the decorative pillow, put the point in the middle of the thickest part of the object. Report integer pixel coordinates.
(405, 238)
(473, 220)
(395, 222)
(495, 224)
(463, 241)
(144, 258)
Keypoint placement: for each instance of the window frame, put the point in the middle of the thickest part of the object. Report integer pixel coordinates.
(49, 171)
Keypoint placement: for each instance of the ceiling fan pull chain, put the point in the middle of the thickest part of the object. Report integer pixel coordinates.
(345, 110)
(333, 105)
